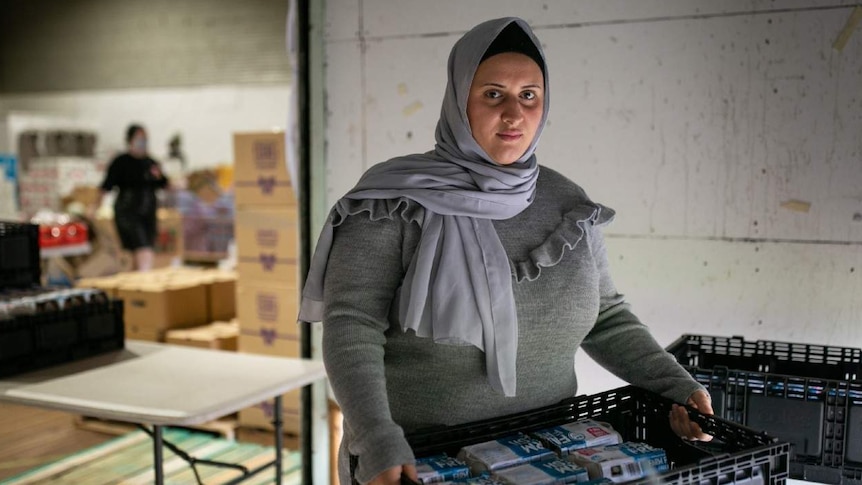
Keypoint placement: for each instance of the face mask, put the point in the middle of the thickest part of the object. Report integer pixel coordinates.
(139, 145)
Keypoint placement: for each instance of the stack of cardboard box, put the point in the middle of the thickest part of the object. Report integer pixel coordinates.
(171, 298)
(266, 232)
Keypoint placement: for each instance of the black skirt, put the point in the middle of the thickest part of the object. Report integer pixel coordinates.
(136, 231)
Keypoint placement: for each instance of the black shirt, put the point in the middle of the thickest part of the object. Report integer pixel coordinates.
(138, 179)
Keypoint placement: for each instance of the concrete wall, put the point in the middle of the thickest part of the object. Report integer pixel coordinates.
(47, 45)
(725, 134)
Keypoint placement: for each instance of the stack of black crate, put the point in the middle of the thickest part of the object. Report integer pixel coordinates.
(41, 326)
(808, 395)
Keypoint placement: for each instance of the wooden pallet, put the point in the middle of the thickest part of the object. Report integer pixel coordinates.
(225, 427)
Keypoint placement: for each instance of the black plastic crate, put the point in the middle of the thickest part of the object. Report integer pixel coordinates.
(797, 359)
(20, 264)
(738, 455)
(820, 418)
(46, 338)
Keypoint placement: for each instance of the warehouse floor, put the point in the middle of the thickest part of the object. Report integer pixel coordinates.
(30, 437)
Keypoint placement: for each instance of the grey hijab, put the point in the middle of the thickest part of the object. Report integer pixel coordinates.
(458, 287)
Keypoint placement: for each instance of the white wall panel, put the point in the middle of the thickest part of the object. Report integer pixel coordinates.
(383, 18)
(345, 130)
(772, 291)
(403, 96)
(342, 20)
(688, 129)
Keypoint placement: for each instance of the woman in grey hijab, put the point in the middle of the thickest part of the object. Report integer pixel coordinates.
(458, 284)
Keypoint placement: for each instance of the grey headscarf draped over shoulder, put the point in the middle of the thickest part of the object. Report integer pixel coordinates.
(458, 287)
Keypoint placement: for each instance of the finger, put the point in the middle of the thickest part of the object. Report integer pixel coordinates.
(390, 476)
(702, 401)
(690, 429)
(675, 423)
(410, 471)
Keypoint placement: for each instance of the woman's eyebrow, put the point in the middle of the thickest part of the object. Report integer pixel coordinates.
(498, 85)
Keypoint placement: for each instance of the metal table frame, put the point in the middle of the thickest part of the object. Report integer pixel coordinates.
(149, 384)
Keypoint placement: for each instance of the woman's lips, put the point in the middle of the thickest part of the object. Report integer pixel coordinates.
(509, 135)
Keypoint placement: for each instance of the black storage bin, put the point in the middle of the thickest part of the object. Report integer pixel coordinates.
(820, 418)
(46, 338)
(20, 266)
(820, 361)
(738, 455)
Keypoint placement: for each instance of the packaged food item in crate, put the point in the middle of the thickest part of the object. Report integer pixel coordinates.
(568, 437)
(483, 479)
(512, 450)
(440, 468)
(550, 472)
(737, 455)
(621, 462)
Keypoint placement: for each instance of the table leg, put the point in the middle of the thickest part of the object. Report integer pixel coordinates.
(279, 438)
(157, 455)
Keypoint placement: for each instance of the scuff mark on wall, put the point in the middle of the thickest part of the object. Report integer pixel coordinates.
(412, 108)
(847, 31)
(796, 205)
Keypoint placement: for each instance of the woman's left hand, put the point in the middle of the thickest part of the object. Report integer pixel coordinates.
(682, 425)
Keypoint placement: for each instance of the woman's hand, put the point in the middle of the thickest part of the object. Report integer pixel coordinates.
(392, 476)
(682, 425)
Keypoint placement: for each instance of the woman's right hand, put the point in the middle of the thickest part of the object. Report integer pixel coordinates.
(392, 476)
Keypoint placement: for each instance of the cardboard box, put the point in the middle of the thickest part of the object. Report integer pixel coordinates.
(260, 416)
(216, 336)
(104, 262)
(221, 295)
(268, 305)
(267, 245)
(268, 341)
(108, 284)
(144, 333)
(163, 305)
(169, 236)
(260, 170)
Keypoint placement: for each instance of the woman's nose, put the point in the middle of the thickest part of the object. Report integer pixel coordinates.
(512, 112)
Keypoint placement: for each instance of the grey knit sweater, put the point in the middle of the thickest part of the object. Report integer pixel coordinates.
(389, 382)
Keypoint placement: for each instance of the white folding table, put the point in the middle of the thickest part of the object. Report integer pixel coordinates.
(161, 385)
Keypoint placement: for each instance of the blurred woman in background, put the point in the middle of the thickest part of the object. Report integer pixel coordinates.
(138, 177)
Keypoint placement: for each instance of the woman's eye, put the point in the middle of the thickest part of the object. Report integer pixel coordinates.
(492, 94)
(529, 95)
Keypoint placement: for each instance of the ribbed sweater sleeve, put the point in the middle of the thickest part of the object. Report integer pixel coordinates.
(364, 271)
(620, 343)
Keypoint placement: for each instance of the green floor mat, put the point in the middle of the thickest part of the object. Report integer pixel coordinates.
(128, 460)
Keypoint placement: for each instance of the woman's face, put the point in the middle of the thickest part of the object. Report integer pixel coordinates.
(505, 105)
(138, 144)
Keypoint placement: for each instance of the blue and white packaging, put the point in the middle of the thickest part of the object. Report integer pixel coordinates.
(513, 450)
(440, 468)
(551, 472)
(569, 437)
(483, 479)
(598, 481)
(622, 462)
